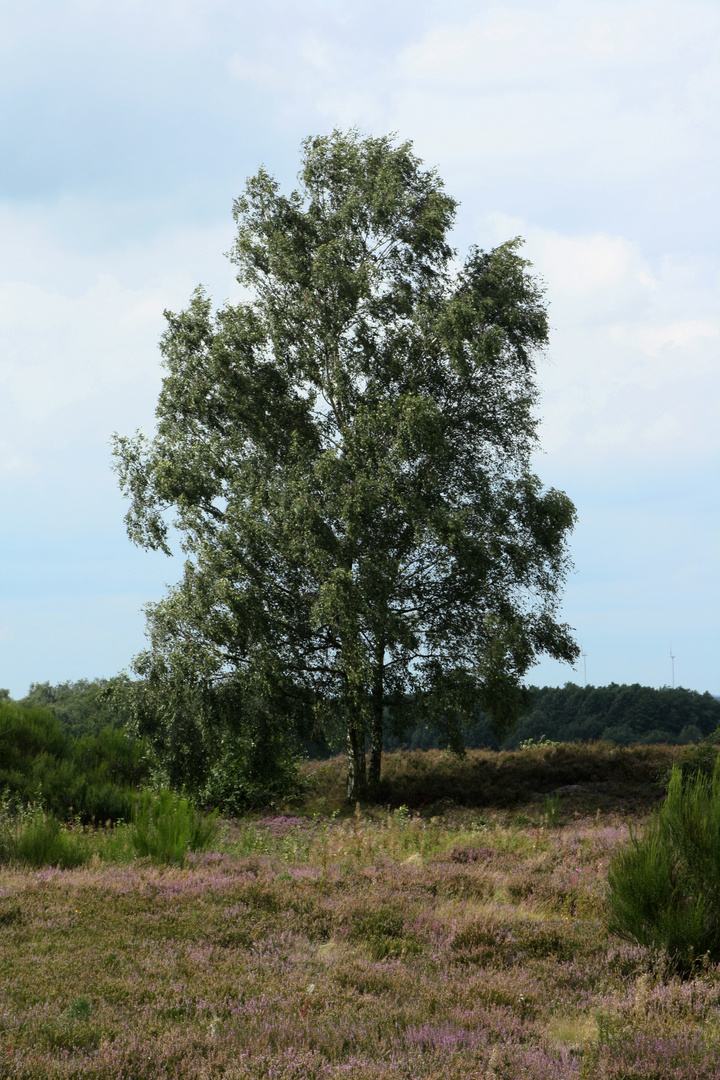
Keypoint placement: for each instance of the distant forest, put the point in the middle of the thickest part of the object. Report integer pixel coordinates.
(616, 713)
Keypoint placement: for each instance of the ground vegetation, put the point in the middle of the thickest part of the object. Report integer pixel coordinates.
(461, 946)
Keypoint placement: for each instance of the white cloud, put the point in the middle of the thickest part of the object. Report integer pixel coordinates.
(633, 367)
(554, 40)
(685, 334)
(79, 333)
(635, 360)
(584, 93)
(589, 266)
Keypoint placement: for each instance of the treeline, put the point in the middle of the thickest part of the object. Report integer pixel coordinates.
(70, 748)
(616, 713)
(619, 714)
(84, 707)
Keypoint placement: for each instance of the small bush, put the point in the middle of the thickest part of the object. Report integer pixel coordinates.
(381, 930)
(166, 826)
(40, 840)
(665, 888)
(550, 815)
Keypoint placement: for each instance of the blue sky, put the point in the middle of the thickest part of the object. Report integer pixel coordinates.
(589, 128)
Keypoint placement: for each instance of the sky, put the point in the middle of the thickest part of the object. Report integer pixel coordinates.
(589, 128)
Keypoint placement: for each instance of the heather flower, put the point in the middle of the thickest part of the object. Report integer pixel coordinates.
(314, 951)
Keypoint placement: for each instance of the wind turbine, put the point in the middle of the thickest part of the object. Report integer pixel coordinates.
(584, 656)
(672, 664)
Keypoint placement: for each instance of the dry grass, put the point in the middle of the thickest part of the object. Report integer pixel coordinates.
(601, 776)
(373, 947)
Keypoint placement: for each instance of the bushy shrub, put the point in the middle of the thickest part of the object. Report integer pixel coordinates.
(166, 826)
(38, 839)
(26, 734)
(44, 842)
(90, 778)
(664, 889)
(701, 758)
(250, 770)
(105, 802)
(225, 745)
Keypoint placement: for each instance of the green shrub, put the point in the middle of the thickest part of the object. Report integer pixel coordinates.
(550, 815)
(25, 733)
(701, 758)
(381, 930)
(250, 772)
(90, 778)
(165, 826)
(664, 889)
(40, 840)
(103, 803)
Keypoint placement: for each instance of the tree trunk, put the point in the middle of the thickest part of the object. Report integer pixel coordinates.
(378, 706)
(356, 776)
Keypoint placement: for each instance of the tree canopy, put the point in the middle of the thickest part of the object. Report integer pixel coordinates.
(620, 714)
(84, 707)
(347, 453)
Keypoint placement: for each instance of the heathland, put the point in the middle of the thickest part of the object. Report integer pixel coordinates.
(463, 939)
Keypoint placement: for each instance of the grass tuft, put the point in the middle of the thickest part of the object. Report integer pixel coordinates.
(166, 827)
(38, 839)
